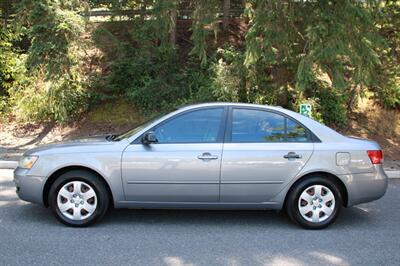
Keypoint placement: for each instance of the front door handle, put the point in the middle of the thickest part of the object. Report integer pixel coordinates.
(292, 155)
(207, 156)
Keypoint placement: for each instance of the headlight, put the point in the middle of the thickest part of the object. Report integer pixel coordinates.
(27, 161)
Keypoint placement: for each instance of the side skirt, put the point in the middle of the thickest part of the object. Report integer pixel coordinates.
(198, 205)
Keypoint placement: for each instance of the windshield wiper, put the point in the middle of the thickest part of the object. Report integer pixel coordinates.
(111, 137)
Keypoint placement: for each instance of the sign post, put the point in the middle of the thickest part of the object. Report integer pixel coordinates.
(305, 109)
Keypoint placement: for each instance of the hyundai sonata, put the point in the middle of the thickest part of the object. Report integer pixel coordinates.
(209, 156)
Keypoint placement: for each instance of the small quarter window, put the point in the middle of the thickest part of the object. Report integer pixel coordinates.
(295, 132)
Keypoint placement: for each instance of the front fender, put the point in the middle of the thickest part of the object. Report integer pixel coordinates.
(106, 164)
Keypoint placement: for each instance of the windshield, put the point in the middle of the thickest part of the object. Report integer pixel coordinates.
(133, 131)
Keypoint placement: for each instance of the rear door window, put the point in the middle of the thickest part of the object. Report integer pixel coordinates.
(251, 125)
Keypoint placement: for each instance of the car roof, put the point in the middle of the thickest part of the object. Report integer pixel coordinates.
(210, 104)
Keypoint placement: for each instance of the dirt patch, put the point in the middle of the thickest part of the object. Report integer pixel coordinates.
(107, 118)
(371, 122)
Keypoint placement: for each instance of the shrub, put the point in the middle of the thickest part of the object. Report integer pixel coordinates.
(9, 59)
(229, 82)
(149, 72)
(389, 94)
(12, 70)
(39, 99)
(333, 108)
(154, 85)
(329, 104)
(52, 87)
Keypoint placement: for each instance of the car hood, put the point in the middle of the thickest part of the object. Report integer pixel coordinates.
(95, 140)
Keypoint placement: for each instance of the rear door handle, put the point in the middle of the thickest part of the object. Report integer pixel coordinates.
(207, 156)
(292, 155)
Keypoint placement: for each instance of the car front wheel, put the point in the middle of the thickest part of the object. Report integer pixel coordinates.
(314, 202)
(78, 198)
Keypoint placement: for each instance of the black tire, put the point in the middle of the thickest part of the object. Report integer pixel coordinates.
(103, 198)
(292, 201)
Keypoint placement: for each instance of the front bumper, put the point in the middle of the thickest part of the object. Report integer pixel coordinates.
(366, 187)
(28, 187)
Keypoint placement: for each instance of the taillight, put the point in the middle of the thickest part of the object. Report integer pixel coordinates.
(376, 157)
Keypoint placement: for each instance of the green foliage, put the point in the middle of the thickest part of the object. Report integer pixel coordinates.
(163, 23)
(283, 52)
(40, 100)
(149, 84)
(52, 86)
(54, 28)
(389, 94)
(148, 72)
(335, 39)
(108, 43)
(153, 84)
(332, 107)
(3, 104)
(204, 23)
(234, 82)
(110, 112)
(6, 60)
(387, 91)
(270, 37)
(328, 104)
(11, 71)
(229, 82)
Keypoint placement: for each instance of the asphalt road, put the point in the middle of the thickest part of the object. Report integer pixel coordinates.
(368, 234)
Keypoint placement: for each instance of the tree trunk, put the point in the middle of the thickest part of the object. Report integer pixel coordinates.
(143, 10)
(87, 13)
(354, 92)
(172, 33)
(6, 8)
(226, 13)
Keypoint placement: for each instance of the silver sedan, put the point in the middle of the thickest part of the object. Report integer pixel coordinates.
(209, 156)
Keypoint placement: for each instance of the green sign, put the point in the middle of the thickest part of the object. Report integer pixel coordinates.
(305, 109)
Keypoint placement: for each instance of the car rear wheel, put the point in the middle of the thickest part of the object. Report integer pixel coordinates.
(314, 202)
(78, 198)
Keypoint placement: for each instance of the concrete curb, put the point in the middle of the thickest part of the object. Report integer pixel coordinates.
(8, 164)
(393, 173)
(14, 164)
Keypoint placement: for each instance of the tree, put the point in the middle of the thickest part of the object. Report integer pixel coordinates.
(226, 15)
(173, 19)
(331, 41)
(281, 52)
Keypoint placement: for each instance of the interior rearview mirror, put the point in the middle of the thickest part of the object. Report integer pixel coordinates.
(149, 137)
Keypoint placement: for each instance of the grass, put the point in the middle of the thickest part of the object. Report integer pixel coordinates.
(115, 113)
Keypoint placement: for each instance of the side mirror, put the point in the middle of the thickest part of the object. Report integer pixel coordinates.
(149, 137)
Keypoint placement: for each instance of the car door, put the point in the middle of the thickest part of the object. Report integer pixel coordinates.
(184, 164)
(263, 151)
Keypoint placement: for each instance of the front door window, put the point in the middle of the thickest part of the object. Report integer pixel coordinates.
(201, 126)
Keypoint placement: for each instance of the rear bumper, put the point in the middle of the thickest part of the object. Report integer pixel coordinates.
(29, 188)
(366, 187)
